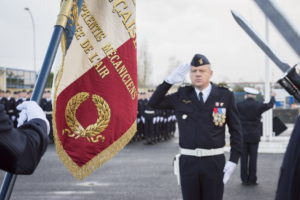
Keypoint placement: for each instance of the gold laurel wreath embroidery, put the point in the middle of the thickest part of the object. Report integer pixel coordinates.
(93, 131)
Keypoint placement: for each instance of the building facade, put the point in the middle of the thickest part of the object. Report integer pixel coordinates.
(11, 78)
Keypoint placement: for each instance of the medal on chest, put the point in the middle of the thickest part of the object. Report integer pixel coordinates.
(219, 114)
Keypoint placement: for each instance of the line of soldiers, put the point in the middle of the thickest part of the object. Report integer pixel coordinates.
(155, 125)
(11, 100)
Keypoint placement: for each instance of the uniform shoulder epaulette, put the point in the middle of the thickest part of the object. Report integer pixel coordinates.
(223, 86)
(184, 85)
(183, 88)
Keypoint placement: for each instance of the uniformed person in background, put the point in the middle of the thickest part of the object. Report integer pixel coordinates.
(10, 105)
(16, 96)
(289, 179)
(149, 115)
(2, 97)
(140, 117)
(22, 148)
(149, 126)
(250, 114)
(202, 111)
(46, 105)
(139, 132)
(28, 95)
(22, 97)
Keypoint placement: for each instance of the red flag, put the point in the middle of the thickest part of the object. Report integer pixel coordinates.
(96, 88)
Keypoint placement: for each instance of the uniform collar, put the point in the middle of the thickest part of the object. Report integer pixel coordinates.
(206, 91)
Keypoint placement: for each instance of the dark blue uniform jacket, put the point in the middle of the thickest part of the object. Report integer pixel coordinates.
(289, 180)
(21, 149)
(250, 114)
(197, 128)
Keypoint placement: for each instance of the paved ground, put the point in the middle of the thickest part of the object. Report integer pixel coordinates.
(138, 172)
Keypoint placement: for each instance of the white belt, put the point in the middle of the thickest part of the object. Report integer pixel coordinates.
(176, 168)
(201, 152)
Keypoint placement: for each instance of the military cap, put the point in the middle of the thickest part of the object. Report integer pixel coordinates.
(249, 90)
(199, 60)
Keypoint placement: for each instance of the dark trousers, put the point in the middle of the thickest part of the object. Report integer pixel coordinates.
(149, 129)
(249, 162)
(202, 177)
(49, 118)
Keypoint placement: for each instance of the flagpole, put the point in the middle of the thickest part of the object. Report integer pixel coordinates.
(9, 178)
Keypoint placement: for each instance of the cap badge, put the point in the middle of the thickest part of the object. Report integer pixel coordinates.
(200, 61)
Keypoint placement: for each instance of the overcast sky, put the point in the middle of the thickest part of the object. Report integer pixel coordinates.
(171, 29)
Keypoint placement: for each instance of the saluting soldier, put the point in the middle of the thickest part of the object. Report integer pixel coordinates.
(202, 111)
(250, 114)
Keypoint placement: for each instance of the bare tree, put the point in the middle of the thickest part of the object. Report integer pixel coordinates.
(144, 66)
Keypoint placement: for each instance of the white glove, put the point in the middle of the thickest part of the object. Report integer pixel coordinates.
(22, 118)
(178, 75)
(143, 119)
(31, 110)
(228, 170)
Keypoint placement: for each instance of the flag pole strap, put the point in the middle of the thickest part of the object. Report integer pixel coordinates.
(64, 13)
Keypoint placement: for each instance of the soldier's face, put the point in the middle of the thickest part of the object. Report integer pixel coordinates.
(200, 76)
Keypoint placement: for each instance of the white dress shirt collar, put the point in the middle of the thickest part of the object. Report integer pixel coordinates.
(206, 91)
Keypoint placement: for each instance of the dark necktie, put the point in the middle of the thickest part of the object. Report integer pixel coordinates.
(201, 98)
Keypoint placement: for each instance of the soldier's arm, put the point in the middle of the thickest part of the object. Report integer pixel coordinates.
(235, 129)
(266, 106)
(21, 148)
(159, 99)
